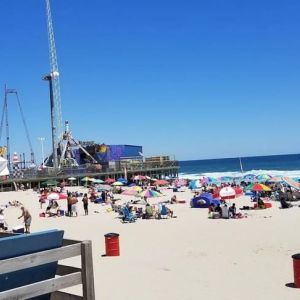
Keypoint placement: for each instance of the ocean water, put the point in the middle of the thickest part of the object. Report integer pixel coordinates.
(274, 165)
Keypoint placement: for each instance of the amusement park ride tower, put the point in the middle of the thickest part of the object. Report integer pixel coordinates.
(62, 141)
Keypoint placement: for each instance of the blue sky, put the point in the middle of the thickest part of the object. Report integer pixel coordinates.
(196, 79)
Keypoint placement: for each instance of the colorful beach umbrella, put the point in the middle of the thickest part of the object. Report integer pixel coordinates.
(258, 187)
(132, 191)
(180, 182)
(294, 184)
(149, 194)
(209, 180)
(85, 179)
(275, 179)
(263, 177)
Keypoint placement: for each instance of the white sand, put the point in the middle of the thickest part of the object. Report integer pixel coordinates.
(188, 257)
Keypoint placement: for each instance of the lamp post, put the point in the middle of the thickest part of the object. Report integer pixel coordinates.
(42, 139)
(53, 128)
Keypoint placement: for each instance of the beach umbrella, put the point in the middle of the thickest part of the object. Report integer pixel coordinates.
(194, 184)
(161, 182)
(275, 179)
(227, 192)
(53, 196)
(132, 191)
(180, 182)
(249, 177)
(209, 180)
(258, 187)
(294, 184)
(72, 178)
(263, 177)
(149, 194)
(117, 183)
(50, 182)
(104, 187)
(122, 180)
(85, 179)
(98, 181)
(109, 180)
(139, 177)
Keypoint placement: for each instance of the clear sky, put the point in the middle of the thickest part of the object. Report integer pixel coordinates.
(197, 79)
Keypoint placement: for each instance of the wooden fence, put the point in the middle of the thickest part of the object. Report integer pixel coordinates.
(67, 276)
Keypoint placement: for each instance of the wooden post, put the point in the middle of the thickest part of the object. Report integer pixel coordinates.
(87, 272)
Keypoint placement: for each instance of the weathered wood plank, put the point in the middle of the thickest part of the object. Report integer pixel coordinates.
(88, 288)
(42, 287)
(39, 258)
(65, 270)
(68, 242)
(65, 296)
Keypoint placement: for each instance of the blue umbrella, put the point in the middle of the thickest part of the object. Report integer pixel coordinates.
(123, 180)
(249, 177)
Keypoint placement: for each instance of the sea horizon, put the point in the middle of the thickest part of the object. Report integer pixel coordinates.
(274, 165)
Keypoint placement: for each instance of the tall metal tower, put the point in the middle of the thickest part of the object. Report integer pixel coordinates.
(55, 78)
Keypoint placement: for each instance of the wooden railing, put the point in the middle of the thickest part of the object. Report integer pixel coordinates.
(67, 276)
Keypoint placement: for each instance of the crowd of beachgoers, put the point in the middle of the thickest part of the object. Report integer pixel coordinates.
(133, 199)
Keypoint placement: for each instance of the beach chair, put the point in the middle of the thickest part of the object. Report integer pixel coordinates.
(128, 216)
(15, 245)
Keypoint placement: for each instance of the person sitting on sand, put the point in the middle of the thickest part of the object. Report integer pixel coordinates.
(283, 202)
(148, 211)
(173, 199)
(52, 209)
(225, 211)
(260, 203)
(232, 211)
(218, 212)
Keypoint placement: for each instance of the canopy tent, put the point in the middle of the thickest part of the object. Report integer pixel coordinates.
(204, 200)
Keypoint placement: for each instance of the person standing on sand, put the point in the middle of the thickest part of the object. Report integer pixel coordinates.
(69, 200)
(85, 201)
(27, 218)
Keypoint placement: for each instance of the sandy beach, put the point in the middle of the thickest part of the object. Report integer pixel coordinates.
(188, 257)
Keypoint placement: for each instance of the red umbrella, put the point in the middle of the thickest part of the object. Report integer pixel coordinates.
(227, 192)
(109, 180)
(161, 182)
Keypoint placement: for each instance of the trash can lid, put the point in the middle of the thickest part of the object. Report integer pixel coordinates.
(112, 234)
(296, 256)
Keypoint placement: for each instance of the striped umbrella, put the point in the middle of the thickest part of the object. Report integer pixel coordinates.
(275, 179)
(149, 194)
(249, 177)
(291, 182)
(258, 187)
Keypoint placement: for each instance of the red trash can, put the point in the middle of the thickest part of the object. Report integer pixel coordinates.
(296, 265)
(112, 244)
